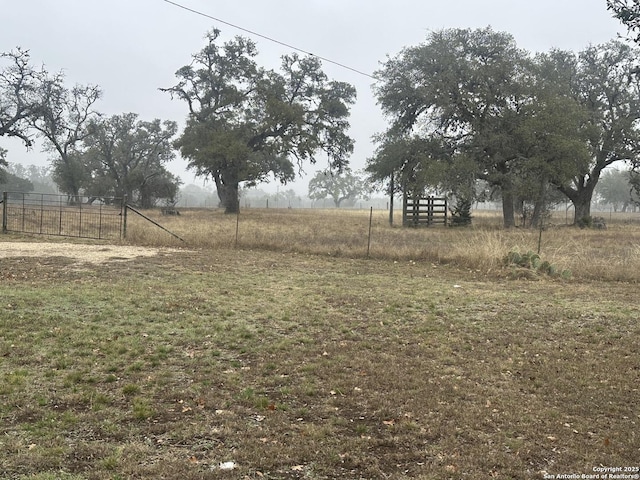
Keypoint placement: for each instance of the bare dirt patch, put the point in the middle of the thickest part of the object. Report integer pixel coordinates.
(96, 254)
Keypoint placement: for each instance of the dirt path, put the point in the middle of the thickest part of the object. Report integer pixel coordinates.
(79, 252)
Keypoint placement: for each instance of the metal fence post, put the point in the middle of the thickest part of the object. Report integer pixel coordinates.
(80, 217)
(41, 211)
(60, 213)
(370, 224)
(123, 213)
(4, 212)
(23, 212)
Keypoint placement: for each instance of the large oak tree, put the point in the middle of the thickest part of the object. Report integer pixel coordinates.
(628, 12)
(127, 157)
(470, 100)
(610, 96)
(247, 123)
(462, 89)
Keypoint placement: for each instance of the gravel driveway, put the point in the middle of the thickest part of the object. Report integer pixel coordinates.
(78, 252)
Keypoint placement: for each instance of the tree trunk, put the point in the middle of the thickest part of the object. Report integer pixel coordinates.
(581, 199)
(538, 211)
(582, 205)
(508, 210)
(540, 207)
(581, 193)
(74, 197)
(146, 199)
(228, 193)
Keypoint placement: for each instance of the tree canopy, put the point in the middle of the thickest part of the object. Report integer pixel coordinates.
(20, 99)
(459, 94)
(64, 123)
(125, 156)
(470, 105)
(615, 189)
(628, 12)
(10, 181)
(246, 123)
(609, 95)
(100, 157)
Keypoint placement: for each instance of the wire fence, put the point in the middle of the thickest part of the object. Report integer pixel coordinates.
(62, 215)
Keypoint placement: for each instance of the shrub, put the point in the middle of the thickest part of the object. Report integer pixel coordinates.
(592, 222)
(461, 213)
(532, 261)
(585, 222)
(525, 260)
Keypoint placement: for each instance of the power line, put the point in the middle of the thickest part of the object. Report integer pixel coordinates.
(270, 39)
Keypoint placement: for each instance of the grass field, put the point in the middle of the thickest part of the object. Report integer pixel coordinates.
(288, 354)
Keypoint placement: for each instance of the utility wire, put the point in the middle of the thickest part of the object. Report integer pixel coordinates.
(270, 39)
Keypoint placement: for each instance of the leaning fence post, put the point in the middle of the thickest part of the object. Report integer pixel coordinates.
(129, 207)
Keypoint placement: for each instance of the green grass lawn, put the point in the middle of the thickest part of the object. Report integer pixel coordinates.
(304, 366)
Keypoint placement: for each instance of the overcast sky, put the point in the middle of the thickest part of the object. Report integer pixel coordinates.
(132, 47)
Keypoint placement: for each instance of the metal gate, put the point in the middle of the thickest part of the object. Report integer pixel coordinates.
(47, 214)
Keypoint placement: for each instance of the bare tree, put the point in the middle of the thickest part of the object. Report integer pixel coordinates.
(19, 95)
(64, 123)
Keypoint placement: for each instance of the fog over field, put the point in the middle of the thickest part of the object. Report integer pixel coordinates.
(131, 49)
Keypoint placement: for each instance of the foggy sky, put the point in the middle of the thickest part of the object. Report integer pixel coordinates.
(130, 48)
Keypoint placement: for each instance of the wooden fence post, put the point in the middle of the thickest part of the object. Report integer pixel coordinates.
(370, 223)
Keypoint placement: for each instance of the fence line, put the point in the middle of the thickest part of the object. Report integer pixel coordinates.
(62, 215)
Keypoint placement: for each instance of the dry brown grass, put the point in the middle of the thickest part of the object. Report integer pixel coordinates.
(612, 254)
(311, 367)
(293, 356)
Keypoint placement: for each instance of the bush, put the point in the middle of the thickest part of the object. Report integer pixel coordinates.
(461, 213)
(532, 261)
(592, 222)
